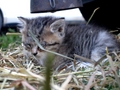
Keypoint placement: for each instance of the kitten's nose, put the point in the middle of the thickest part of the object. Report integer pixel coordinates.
(35, 54)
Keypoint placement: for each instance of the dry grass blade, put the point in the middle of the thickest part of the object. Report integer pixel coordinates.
(64, 85)
(26, 84)
(36, 76)
(3, 84)
(114, 70)
(23, 75)
(104, 78)
(100, 60)
(90, 82)
(75, 80)
(73, 73)
(84, 59)
(13, 33)
(116, 56)
(92, 15)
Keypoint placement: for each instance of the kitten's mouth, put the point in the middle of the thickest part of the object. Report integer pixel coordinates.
(40, 50)
(53, 44)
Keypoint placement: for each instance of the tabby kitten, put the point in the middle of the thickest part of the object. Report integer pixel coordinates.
(56, 35)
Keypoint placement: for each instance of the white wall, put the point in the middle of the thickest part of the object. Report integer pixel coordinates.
(14, 8)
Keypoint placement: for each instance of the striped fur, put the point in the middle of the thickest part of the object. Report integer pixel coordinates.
(88, 41)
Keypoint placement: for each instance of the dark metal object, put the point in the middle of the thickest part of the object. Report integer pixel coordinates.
(1, 19)
(52, 3)
(38, 6)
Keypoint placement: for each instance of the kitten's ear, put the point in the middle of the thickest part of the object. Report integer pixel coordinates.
(23, 20)
(58, 26)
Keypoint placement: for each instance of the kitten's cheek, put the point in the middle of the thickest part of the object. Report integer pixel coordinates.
(26, 53)
(41, 56)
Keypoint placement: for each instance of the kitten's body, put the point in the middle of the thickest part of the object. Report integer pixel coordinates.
(55, 35)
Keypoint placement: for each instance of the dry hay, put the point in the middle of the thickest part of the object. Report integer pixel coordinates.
(19, 73)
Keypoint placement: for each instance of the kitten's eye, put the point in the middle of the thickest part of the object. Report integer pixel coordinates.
(27, 45)
(43, 43)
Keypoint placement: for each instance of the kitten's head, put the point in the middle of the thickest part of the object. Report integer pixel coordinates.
(50, 32)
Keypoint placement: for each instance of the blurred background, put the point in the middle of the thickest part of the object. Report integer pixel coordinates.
(11, 9)
(107, 15)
